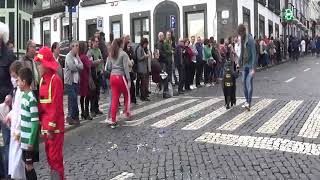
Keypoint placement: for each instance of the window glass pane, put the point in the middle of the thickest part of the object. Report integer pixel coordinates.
(246, 21)
(46, 38)
(2, 3)
(24, 34)
(19, 32)
(195, 24)
(261, 28)
(137, 30)
(3, 19)
(10, 3)
(145, 28)
(116, 28)
(31, 28)
(20, 4)
(65, 32)
(11, 25)
(27, 31)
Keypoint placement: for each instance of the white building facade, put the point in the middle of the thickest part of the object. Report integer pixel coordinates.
(205, 18)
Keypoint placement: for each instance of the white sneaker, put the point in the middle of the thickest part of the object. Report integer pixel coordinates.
(208, 85)
(107, 121)
(245, 105)
(202, 83)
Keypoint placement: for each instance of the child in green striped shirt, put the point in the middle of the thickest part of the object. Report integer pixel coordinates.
(29, 137)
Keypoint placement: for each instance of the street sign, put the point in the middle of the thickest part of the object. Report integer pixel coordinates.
(100, 23)
(73, 9)
(288, 15)
(173, 22)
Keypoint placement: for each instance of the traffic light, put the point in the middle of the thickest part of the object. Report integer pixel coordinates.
(288, 15)
(71, 2)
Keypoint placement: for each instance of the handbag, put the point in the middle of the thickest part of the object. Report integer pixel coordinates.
(92, 85)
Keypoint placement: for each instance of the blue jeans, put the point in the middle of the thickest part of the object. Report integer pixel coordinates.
(247, 81)
(5, 149)
(73, 110)
(221, 69)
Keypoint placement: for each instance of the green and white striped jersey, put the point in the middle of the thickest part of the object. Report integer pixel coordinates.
(29, 121)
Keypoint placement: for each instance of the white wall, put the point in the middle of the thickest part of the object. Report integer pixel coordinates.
(269, 15)
(127, 7)
(55, 35)
(249, 5)
(36, 34)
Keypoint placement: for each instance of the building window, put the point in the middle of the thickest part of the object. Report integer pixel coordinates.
(261, 26)
(10, 3)
(20, 4)
(270, 28)
(19, 32)
(11, 25)
(195, 20)
(115, 26)
(276, 30)
(116, 29)
(46, 38)
(140, 29)
(65, 29)
(45, 4)
(24, 42)
(3, 19)
(246, 18)
(195, 24)
(140, 26)
(3, 3)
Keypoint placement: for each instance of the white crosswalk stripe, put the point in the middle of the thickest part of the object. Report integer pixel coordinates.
(311, 127)
(154, 105)
(278, 144)
(162, 111)
(185, 113)
(203, 121)
(245, 116)
(123, 176)
(273, 124)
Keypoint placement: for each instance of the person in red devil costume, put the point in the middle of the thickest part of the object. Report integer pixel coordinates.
(51, 111)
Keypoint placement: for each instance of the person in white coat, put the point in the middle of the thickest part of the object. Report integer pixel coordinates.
(303, 47)
(16, 168)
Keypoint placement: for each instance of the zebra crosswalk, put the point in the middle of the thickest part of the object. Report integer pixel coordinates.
(196, 114)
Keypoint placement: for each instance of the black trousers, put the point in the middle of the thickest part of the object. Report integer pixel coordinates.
(188, 76)
(193, 72)
(132, 89)
(84, 103)
(96, 95)
(182, 75)
(165, 81)
(199, 72)
(144, 85)
(208, 73)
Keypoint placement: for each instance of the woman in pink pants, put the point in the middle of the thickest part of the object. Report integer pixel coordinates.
(119, 79)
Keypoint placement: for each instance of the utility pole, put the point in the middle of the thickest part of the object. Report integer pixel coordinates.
(70, 4)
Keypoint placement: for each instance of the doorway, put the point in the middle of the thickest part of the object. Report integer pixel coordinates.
(162, 14)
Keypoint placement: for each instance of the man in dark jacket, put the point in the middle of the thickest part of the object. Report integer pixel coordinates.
(104, 52)
(6, 58)
(164, 63)
(200, 62)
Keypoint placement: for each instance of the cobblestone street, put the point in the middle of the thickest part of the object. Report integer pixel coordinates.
(195, 137)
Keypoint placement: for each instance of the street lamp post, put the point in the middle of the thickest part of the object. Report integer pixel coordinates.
(70, 4)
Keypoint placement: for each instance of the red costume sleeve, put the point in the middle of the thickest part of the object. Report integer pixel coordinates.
(57, 102)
